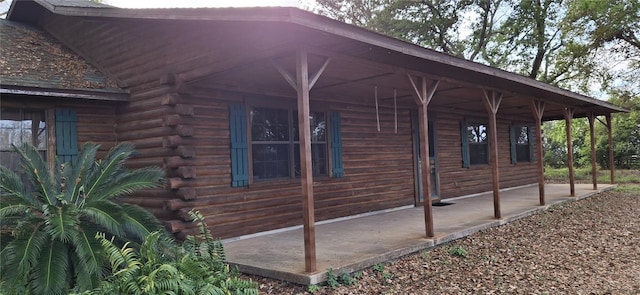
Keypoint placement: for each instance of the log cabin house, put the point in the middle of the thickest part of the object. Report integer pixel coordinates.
(266, 118)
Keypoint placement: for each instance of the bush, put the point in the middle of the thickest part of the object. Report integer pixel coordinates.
(161, 267)
(49, 221)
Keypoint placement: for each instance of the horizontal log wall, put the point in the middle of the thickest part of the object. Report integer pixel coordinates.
(457, 181)
(378, 172)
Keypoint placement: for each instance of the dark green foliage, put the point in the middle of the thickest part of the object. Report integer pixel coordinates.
(160, 267)
(49, 224)
(332, 279)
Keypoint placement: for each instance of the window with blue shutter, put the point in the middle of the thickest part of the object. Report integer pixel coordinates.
(337, 170)
(66, 135)
(239, 145)
(521, 144)
(475, 144)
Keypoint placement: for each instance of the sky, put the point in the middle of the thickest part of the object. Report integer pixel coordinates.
(202, 3)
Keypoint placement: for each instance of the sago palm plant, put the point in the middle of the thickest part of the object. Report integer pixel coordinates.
(49, 224)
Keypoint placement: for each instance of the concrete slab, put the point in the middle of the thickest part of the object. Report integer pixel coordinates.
(348, 245)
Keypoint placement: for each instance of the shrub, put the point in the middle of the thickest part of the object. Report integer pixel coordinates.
(159, 267)
(49, 223)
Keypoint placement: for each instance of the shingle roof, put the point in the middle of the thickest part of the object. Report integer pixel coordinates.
(33, 58)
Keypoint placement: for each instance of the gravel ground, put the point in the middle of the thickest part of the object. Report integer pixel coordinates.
(585, 247)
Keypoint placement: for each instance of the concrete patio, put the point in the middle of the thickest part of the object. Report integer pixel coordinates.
(348, 245)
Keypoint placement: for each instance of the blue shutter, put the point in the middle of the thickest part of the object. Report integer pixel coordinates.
(531, 143)
(465, 144)
(513, 141)
(66, 135)
(239, 145)
(337, 170)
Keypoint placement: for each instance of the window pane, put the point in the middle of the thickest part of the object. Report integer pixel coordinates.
(522, 153)
(476, 133)
(270, 161)
(478, 154)
(17, 127)
(269, 125)
(318, 159)
(523, 136)
(317, 122)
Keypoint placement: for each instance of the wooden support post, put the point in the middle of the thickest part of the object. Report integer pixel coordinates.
(592, 136)
(612, 166)
(423, 97)
(306, 173)
(537, 107)
(491, 102)
(568, 117)
(302, 84)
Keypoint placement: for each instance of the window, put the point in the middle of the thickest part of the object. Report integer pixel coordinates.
(19, 126)
(275, 143)
(475, 144)
(478, 144)
(521, 144)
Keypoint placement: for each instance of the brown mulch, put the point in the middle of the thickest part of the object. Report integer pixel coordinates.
(590, 246)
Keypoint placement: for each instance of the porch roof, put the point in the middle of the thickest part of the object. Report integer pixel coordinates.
(381, 60)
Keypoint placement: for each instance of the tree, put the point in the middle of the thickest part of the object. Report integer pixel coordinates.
(626, 134)
(50, 222)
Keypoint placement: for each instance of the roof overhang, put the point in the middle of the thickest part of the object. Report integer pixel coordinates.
(368, 44)
(64, 93)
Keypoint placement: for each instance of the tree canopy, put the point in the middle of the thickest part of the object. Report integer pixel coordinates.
(589, 46)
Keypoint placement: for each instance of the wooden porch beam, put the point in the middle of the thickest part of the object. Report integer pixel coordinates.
(316, 76)
(568, 117)
(492, 102)
(610, 135)
(537, 107)
(306, 173)
(285, 74)
(423, 97)
(292, 81)
(592, 135)
(424, 94)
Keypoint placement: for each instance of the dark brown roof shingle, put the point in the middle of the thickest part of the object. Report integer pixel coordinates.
(30, 57)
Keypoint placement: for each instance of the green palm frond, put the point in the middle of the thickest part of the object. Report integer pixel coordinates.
(38, 172)
(50, 274)
(107, 215)
(89, 252)
(82, 278)
(77, 170)
(139, 222)
(21, 254)
(12, 206)
(129, 182)
(105, 170)
(11, 185)
(119, 258)
(61, 221)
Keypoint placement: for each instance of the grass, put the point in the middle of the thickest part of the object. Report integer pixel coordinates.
(622, 177)
(628, 181)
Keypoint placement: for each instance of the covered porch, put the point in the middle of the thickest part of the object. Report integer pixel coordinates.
(351, 244)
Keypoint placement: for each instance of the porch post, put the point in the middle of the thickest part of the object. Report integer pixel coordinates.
(302, 84)
(538, 110)
(592, 136)
(423, 97)
(568, 117)
(491, 102)
(306, 173)
(611, 162)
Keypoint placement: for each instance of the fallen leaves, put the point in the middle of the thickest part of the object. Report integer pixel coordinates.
(590, 246)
